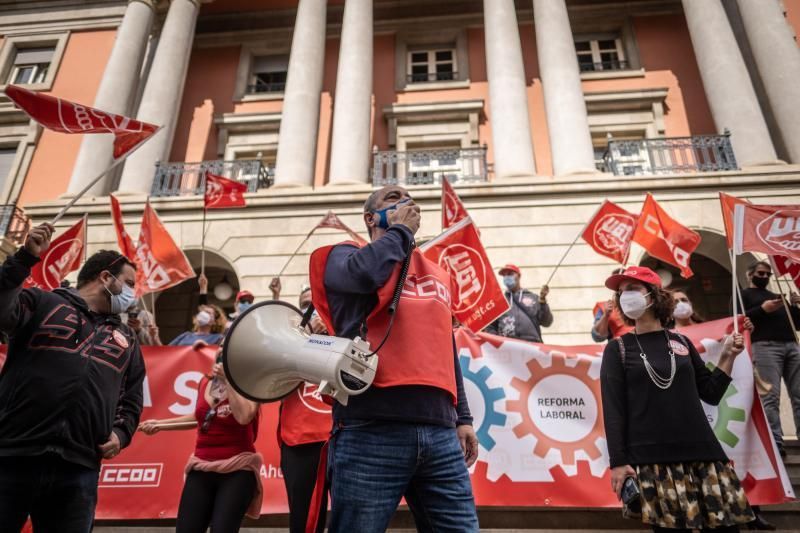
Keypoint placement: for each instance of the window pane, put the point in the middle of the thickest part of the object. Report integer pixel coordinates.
(41, 73)
(607, 44)
(444, 55)
(24, 75)
(585, 62)
(583, 46)
(419, 57)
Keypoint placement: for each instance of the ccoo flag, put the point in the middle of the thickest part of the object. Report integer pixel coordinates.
(664, 238)
(221, 192)
(161, 264)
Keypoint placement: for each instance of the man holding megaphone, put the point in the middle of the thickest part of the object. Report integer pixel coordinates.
(410, 434)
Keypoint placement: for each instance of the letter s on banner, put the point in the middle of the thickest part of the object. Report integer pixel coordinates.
(186, 387)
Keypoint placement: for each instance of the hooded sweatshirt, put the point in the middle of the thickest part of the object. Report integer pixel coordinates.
(71, 376)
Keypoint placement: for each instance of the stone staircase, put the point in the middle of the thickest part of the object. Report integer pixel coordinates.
(519, 520)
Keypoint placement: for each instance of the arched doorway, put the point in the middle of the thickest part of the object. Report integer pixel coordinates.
(710, 288)
(176, 306)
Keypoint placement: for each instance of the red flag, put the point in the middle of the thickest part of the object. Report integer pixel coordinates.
(222, 192)
(126, 246)
(770, 229)
(478, 299)
(727, 203)
(664, 238)
(64, 255)
(68, 117)
(160, 263)
(452, 208)
(786, 267)
(331, 220)
(609, 232)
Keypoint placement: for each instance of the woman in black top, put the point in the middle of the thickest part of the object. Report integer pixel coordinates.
(652, 382)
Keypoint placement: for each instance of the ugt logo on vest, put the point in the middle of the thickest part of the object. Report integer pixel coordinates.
(466, 266)
(613, 232)
(781, 231)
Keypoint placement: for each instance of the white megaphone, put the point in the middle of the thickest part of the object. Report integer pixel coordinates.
(267, 354)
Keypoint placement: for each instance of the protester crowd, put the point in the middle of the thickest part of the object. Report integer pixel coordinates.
(649, 395)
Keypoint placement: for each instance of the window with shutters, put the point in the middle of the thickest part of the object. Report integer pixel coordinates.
(604, 53)
(434, 64)
(268, 74)
(31, 65)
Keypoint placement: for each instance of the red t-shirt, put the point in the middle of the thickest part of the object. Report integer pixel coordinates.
(225, 436)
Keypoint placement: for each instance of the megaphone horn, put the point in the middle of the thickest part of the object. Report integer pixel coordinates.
(267, 354)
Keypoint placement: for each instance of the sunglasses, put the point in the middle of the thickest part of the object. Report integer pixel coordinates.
(207, 420)
(762, 274)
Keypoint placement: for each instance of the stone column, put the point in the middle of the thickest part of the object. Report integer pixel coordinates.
(352, 105)
(567, 123)
(778, 61)
(115, 94)
(162, 95)
(728, 87)
(508, 99)
(297, 142)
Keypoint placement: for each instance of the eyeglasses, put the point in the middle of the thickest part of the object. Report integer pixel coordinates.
(207, 420)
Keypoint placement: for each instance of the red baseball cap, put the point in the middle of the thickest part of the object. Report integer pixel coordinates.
(244, 294)
(634, 273)
(510, 268)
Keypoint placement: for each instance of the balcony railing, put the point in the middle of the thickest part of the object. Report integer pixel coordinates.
(670, 155)
(421, 167)
(264, 87)
(615, 64)
(178, 179)
(14, 223)
(431, 76)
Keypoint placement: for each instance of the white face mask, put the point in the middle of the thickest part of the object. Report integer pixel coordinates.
(633, 304)
(203, 318)
(683, 310)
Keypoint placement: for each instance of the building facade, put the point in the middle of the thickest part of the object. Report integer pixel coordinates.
(537, 111)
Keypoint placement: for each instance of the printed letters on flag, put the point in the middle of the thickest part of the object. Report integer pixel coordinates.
(331, 220)
(452, 208)
(770, 229)
(664, 238)
(609, 232)
(222, 192)
(727, 203)
(477, 297)
(126, 246)
(160, 263)
(64, 116)
(64, 255)
(786, 267)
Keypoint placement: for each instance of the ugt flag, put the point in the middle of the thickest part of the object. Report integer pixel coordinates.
(221, 192)
(161, 264)
(64, 116)
(452, 208)
(769, 229)
(64, 255)
(786, 267)
(477, 299)
(664, 238)
(609, 232)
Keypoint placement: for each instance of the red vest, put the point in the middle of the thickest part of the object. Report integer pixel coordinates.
(225, 436)
(419, 350)
(304, 418)
(616, 326)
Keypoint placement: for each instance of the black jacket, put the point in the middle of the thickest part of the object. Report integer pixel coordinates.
(71, 376)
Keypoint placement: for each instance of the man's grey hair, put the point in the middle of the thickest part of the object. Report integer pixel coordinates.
(372, 201)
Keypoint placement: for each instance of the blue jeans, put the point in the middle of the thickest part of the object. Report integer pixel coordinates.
(373, 464)
(59, 496)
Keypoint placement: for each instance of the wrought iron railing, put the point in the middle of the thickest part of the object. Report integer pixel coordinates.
(615, 64)
(178, 179)
(264, 87)
(14, 223)
(670, 155)
(420, 167)
(431, 76)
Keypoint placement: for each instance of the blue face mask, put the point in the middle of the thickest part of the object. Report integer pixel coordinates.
(509, 281)
(383, 214)
(243, 306)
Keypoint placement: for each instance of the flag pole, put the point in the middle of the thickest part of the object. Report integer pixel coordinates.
(783, 298)
(203, 237)
(734, 292)
(295, 252)
(94, 181)
(578, 236)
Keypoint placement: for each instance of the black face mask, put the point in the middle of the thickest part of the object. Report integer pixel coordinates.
(761, 283)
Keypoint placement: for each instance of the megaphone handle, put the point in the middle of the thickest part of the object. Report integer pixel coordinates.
(401, 281)
(307, 316)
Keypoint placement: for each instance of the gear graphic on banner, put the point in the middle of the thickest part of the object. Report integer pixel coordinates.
(725, 414)
(483, 408)
(560, 407)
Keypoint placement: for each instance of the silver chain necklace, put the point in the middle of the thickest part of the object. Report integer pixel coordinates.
(659, 381)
